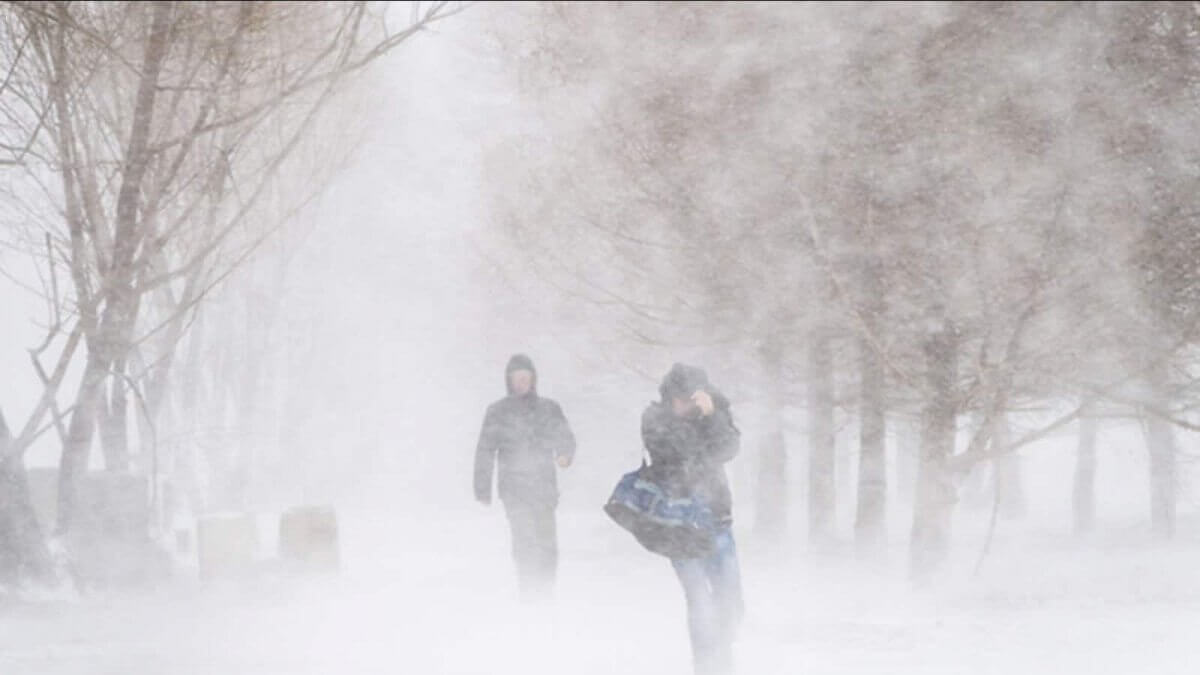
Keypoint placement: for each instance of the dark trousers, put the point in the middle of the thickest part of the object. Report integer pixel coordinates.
(534, 546)
(713, 588)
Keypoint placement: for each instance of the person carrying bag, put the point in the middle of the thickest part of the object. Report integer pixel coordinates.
(679, 505)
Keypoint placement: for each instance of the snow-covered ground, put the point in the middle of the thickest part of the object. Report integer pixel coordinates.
(425, 595)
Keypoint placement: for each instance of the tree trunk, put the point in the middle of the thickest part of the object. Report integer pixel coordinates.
(73, 463)
(935, 496)
(1160, 439)
(114, 423)
(770, 519)
(227, 409)
(109, 341)
(248, 422)
(908, 441)
(23, 552)
(1007, 471)
(976, 486)
(844, 450)
(185, 456)
(870, 520)
(822, 494)
(1083, 501)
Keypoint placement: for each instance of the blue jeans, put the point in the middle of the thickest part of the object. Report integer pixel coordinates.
(713, 588)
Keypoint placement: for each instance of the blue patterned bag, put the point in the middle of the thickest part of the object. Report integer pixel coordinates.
(676, 527)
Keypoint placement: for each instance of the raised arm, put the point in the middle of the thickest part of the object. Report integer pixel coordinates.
(723, 440)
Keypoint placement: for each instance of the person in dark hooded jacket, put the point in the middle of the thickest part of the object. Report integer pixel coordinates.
(526, 435)
(690, 435)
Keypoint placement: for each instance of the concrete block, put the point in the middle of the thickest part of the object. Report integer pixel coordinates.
(308, 537)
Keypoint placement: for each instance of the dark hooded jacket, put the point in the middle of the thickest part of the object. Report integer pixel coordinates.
(524, 435)
(688, 454)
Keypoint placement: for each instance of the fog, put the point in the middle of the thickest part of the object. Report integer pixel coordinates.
(938, 258)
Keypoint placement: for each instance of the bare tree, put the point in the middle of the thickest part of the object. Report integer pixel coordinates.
(156, 131)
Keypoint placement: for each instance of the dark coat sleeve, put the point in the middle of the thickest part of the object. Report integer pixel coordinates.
(485, 455)
(656, 436)
(560, 432)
